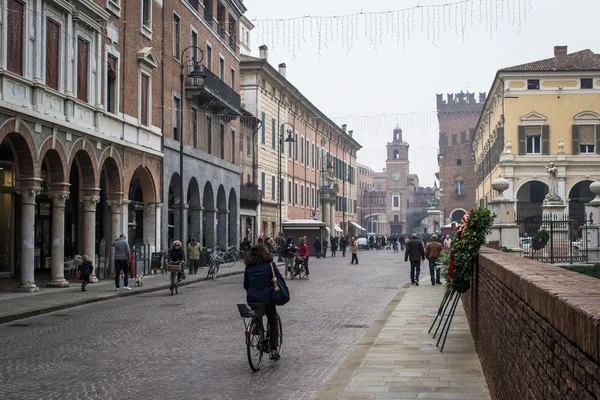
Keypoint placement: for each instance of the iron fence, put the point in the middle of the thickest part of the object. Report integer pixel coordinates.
(552, 240)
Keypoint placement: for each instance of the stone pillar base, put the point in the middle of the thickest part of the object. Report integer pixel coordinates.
(28, 287)
(58, 283)
(93, 278)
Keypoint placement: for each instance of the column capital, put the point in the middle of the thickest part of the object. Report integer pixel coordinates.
(58, 198)
(90, 202)
(115, 206)
(28, 195)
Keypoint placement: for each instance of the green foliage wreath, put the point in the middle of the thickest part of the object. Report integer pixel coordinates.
(466, 250)
(540, 240)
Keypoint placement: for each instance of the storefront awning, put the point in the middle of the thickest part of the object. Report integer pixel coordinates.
(357, 226)
(338, 229)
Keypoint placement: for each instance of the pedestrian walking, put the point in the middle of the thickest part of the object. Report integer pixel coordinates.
(270, 245)
(343, 245)
(432, 253)
(334, 245)
(85, 269)
(324, 246)
(303, 253)
(447, 242)
(289, 255)
(402, 242)
(415, 253)
(122, 255)
(354, 250)
(317, 247)
(194, 250)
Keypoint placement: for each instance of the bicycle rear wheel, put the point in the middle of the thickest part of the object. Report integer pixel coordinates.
(254, 340)
(280, 333)
(301, 271)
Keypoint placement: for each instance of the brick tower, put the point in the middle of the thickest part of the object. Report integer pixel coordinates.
(397, 181)
(457, 115)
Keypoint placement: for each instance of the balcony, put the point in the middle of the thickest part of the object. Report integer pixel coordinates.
(250, 194)
(221, 30)
(232, 43)
(214, 94)
(208, 17)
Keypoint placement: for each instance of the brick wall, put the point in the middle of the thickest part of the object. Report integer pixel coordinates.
(536, 328)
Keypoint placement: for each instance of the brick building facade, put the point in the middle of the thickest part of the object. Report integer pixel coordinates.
(457, 116)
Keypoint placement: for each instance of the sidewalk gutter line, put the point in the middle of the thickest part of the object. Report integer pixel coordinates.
(336, 384)
(31, 313)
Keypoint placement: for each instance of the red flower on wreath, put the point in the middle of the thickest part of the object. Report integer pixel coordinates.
(461, 228)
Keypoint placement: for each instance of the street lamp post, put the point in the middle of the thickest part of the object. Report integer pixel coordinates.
(281, 141)
(196, 78)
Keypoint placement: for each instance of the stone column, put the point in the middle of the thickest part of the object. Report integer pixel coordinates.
(116, 207)
(332, 212)
(124, 217)
(158, 232)
(177, 223)
(89, 230)
(58, 240)
(326, 213)
(27, 240)
(222, 229)
(195, 228)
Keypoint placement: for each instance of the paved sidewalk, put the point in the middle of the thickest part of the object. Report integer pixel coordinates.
(398, 359)
(14, 305)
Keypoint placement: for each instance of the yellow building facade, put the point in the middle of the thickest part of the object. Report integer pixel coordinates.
(537, 113)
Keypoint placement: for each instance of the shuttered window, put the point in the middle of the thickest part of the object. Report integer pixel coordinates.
(83, 62)
(144, 117)
(587, 139)
(15, 20)
(533, 138)
(52, 53)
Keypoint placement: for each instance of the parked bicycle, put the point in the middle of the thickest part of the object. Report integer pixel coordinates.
(299, 269)
(257, 337)
(175, 269)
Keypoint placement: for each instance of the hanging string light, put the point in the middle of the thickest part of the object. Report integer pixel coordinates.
(379, 25)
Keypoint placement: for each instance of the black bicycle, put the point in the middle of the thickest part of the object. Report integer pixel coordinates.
(257, 337)
(299, 268)
(175, 269)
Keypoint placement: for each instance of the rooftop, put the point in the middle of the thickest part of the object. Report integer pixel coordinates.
(584, 60)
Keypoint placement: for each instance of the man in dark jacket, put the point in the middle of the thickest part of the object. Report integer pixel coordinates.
(317, 247)
(324, 246)
(415, 253)
(432, 253)
(122, 253)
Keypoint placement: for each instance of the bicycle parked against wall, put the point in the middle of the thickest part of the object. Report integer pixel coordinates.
(257, 337)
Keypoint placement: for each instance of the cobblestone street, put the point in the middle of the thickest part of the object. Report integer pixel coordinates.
(191, 345)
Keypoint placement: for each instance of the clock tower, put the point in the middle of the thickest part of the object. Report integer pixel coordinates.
(397, 171)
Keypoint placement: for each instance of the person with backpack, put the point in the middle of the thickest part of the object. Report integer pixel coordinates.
(289, 255)
(85, 269)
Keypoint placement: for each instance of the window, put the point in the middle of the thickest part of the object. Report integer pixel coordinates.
(83, 62)
(112, 93)
(145, 89)
(302, 150)
(52, 53)
(194, 126)
(301, 195)
(222, 68)
(273, 133)
(458, 162)
(395, 218)
(176, 36)
(587, 83)
(15, 18)
(263, 185)
(533, 84)
(396, 201)
(147, 17)
(209, 136)
(463, 136)
(222, 140)
(295, 194)
(454, 140)
(233, 146)
(263, 118)
(313, 197)
(307, 203)
(587, 139)
(233, 78)
(249, 144)
(282, 189)
(289, 191)
(459, 187)
(209, 56)
(313, 156)
(296, 147)
(533, 139)
(176, 114)
(273, 188)
(194, 44)
(290, 149)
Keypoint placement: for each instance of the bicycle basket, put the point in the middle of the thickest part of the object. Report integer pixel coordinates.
(174, 268)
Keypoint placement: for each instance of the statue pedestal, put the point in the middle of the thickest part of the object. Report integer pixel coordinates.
(504, 231)
(555, 223)
(591, 231)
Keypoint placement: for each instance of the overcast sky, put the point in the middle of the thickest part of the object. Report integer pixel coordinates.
(392, 79)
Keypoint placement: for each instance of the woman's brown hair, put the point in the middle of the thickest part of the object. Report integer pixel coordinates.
(257, 255)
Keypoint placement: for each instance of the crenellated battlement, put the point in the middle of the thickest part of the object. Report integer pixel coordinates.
(460, 101)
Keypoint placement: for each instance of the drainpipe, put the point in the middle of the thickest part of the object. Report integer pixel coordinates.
(162, 123)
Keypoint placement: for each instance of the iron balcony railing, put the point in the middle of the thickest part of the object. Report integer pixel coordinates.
(208, 17)
(250, 193)
(216, 89)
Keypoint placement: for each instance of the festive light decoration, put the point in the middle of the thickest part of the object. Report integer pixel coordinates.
(400, 24)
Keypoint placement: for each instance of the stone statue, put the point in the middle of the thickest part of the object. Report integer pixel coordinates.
(552, 195)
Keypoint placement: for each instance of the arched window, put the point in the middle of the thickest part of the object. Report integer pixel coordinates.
(459, 186)
(396, 155)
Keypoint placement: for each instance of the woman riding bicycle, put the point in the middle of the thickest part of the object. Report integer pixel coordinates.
(177, 255)
(258, 282)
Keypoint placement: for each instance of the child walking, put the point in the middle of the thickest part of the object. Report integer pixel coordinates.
(86, 270)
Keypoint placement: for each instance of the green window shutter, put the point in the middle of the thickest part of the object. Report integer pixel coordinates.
(575, 138)
(545, 140)
(522, 141)
(263, 118)
(597, 139)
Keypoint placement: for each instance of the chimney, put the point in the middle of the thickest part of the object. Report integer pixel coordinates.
(264, 52)
(283, 70)
(344, 126)
(350, 133)
(560, 57)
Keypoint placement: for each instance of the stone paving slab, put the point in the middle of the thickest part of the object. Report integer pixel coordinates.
(14, 305)
(403, 362)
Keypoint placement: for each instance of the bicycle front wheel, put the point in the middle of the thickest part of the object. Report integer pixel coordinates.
(254, 342)
(280, 333)
(301, 271)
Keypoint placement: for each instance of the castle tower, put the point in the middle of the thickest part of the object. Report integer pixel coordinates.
(457, 115)
(397, 176)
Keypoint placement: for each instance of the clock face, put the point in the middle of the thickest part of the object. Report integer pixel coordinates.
(396, 176)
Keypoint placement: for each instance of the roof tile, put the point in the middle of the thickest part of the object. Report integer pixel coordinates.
(584, 60)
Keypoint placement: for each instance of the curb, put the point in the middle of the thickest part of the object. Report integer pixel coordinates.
(47, 310)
